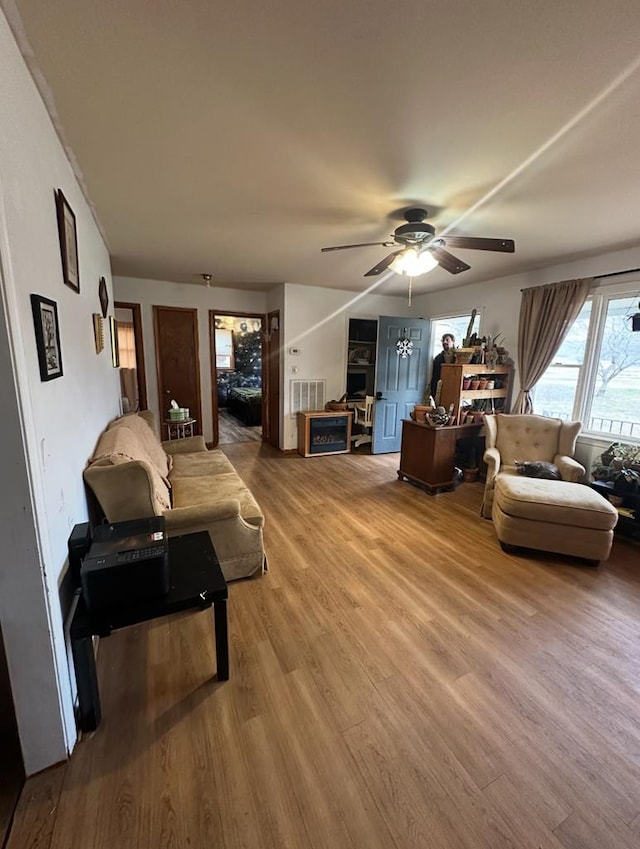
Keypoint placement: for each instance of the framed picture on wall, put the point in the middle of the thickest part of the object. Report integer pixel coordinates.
(45, 322)
(98, 332)
(103, 295)
(68, 237)
(115, 350)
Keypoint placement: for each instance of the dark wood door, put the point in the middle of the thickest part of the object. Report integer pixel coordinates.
(177, 361)
(271, 433)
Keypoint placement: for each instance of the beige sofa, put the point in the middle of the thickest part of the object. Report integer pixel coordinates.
(132, 474)
(527, 437)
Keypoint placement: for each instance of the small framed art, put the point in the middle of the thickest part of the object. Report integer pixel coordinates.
(98, 332)
(103, 295)
(115, 351)
(45, 322)
(68, 237)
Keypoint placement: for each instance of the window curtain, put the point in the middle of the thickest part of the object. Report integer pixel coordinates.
(546, 314)
(126, 344)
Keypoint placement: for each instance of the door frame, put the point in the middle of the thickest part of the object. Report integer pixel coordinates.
(271, 362)
(214, 370)
(139, 345)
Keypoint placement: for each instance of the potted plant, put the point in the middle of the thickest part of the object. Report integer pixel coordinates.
(619, 472)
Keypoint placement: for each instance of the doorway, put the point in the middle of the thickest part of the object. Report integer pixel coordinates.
(133, 380)
(237, 342)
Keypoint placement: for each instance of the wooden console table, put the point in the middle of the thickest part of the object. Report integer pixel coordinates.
(427, 454)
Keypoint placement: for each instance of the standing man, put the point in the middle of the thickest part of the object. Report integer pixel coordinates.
(448, 342)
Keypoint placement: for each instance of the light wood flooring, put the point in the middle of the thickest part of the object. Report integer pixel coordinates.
(397, 682)
(231, 429)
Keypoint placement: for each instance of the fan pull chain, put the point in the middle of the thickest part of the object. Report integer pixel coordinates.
(410, 288)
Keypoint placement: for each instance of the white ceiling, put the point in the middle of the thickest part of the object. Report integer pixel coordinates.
(238, 138)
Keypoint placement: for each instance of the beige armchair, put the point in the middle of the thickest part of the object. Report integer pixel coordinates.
(527, 437)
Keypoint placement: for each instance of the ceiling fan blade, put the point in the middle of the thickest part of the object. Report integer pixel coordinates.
(449, 262)
(383, 264)
(361, 245)
(478, 244)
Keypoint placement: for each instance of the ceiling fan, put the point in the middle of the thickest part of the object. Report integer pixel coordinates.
(421, 250)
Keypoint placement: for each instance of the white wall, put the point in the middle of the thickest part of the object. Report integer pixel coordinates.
(150, 293)
(313, 319)
(316, 321)
(48, 430)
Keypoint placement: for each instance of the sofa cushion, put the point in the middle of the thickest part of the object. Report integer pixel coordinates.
(555, 502)
(194, 490)
(201, 463)
(148, 440)
(121, 445)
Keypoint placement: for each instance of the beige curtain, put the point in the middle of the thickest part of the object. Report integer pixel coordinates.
(546, 314)
(126, 344)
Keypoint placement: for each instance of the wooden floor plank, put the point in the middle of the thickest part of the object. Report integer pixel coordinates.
(397, 681)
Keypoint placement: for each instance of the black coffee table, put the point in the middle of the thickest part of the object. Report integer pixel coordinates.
(197, 582)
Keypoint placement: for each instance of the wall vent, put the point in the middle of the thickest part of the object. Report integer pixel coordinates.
(307, 395)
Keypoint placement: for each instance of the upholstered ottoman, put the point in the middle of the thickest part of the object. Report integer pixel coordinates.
(550, 515)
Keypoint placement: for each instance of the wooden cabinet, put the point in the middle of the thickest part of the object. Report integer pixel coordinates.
(494, 394)
(427, 454)
(322, 432)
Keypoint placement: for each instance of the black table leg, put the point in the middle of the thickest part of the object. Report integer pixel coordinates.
(89, 710)
(222, 639)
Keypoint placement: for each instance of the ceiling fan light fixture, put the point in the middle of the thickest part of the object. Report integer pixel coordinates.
(413, 263)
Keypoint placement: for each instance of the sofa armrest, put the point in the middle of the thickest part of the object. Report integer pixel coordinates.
(188, 445)
(570, 469)
(237, 543)
(492, 459)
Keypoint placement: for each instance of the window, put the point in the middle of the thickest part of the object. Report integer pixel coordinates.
(225, 358)
(596, 373)
(457, 325)
(555, 393)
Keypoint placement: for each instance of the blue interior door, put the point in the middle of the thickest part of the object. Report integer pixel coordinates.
(400, 381)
